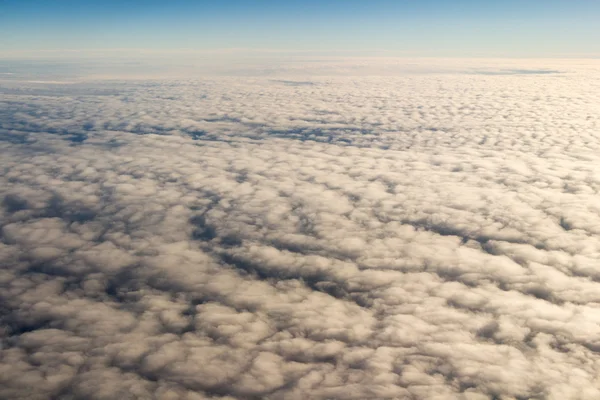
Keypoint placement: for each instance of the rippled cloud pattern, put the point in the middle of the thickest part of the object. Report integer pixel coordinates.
(408, 236)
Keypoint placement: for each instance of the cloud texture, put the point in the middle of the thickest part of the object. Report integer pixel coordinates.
(415, 236)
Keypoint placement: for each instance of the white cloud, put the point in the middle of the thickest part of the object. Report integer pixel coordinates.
(408, 236)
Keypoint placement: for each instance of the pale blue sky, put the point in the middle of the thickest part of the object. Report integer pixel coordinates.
(463, 28)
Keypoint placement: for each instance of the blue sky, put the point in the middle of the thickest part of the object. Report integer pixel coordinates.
(400, 28)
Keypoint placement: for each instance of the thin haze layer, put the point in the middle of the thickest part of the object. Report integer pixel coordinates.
(414, 236)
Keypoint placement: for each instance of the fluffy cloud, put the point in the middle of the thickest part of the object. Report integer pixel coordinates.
(413, 236)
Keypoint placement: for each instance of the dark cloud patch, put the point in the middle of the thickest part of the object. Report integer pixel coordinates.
(203, 230)
(70, 212)
(15, 138)
(77, 138)
(197, 134)
(518, 71)
(294, 83)
(13, 203)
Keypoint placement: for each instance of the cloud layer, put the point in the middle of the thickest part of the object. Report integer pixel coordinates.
(416, 236)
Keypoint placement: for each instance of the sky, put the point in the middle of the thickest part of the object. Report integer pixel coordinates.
(430, 28)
